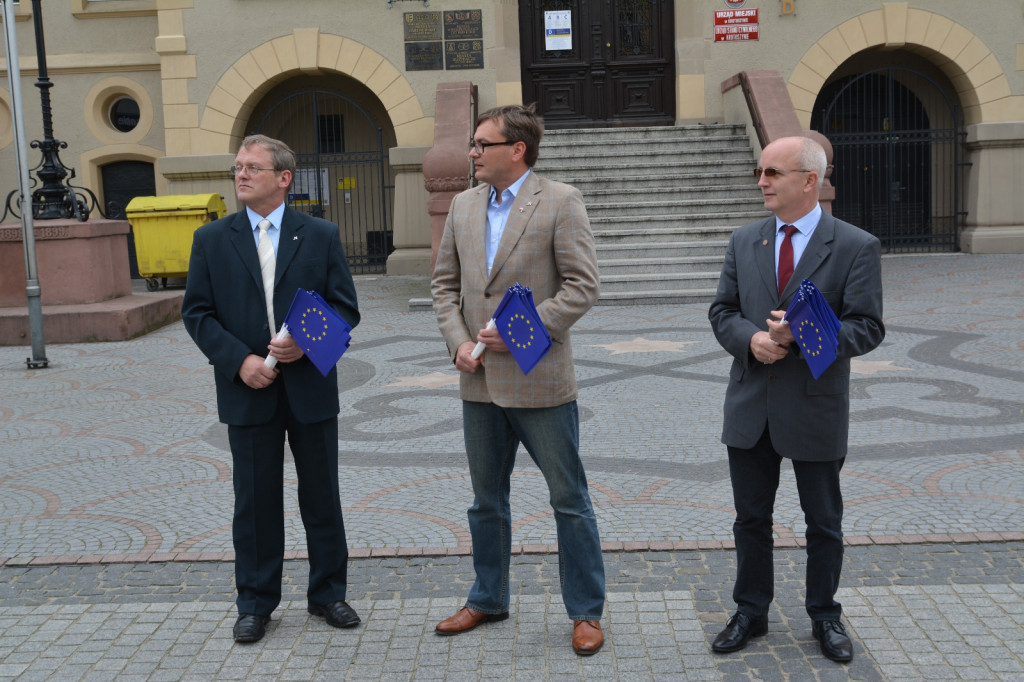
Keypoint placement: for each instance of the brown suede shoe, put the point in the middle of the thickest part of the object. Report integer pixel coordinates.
(587, 637)
(465, 620)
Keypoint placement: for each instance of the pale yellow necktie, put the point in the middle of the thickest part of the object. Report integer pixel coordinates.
(265, 249)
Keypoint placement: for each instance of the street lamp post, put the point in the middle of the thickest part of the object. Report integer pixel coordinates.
(55, 199)
(32, 290)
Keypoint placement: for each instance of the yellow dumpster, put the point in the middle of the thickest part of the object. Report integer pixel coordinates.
(163, 228)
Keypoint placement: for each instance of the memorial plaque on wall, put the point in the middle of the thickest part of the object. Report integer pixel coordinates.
(424, 56)
(422, 26)
(463, 24)
(464, 54)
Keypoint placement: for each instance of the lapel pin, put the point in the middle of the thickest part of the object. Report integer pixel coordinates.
(295, 239)
(521, 209)
(764, 243)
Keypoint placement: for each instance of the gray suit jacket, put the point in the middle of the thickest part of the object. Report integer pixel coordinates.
(809, 419)
(547, 246)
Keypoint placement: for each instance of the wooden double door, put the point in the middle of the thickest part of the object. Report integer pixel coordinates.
(594, 63)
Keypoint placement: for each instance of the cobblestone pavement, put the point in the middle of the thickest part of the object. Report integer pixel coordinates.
(115, 499)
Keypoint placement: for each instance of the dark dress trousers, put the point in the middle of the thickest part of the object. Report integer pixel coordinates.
(780, 410)
(225, 313)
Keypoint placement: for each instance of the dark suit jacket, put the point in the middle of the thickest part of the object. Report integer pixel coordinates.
(809, 419)
(225, 313)
(547, 246)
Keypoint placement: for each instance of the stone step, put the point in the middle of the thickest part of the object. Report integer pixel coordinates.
(663, 249)
(737, 177)
(599, 147)
(656, 221)
(662, 265)
(641, 234)
(719, 193)
(700, 132)
(640, 161)
(658, 296)
(679, 208)
(662, 201)
(707, 279)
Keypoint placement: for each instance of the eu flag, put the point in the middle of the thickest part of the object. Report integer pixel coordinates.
(318, 329)
(814, 326)
(520, 327)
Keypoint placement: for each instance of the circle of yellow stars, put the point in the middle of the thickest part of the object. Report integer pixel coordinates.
(309, 319)
(814, 332)
(511, 335)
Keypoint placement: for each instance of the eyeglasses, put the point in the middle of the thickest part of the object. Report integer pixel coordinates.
(481, 147)
(770, 172)
(249, 170)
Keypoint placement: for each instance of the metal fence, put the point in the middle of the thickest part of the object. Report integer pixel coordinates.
(342, 172)
(897, 138)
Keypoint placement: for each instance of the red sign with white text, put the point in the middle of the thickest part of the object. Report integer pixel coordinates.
(735, 24)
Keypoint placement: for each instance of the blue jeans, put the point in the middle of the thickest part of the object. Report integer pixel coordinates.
(551, 436)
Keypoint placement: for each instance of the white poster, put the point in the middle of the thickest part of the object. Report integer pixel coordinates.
(558, 30)
(304, 190)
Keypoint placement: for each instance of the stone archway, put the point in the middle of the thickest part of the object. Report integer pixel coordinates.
(307, 50)
(991, 115)
(964, 58)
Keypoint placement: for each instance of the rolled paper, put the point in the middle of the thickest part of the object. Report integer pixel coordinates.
(283, 334)
(479, 349)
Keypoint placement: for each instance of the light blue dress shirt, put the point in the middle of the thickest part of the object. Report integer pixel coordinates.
(274, 232)
(804, 229)
(497, 216)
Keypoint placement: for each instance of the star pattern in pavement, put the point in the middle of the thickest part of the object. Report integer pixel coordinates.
(874, 366)
(642, 345)
(432, 380)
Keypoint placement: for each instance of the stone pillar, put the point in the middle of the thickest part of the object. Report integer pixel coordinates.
(411, 224)
(760, 101)
(995, 202)
(446, 167)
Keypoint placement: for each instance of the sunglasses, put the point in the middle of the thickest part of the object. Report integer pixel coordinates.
(775, 172)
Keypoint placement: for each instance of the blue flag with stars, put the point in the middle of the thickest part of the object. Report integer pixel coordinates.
(318, 329)
(815, 327)
(520, 327)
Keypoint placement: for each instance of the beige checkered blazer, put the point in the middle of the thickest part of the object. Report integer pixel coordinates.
(547, 246)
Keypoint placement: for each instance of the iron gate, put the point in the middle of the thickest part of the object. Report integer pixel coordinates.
(342, 171)
(897, 138)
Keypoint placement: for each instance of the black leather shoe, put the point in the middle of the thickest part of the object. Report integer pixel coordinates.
(337, 614)
(738, 632)
(250, 628)
(835, 643)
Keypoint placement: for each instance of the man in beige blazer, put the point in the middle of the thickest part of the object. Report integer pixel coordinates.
(517, 227)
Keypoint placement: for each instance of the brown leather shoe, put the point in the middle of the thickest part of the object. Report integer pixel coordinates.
(587, 637)
(465, 620)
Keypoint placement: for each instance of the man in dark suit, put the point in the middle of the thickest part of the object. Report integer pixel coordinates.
(774, 408)
(518, 227)
(226, 312)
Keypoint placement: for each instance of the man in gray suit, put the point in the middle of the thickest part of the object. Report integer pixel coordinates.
(517, 227)
(774, 408)
(232, 315)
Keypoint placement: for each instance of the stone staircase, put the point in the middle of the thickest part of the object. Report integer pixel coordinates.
(662, 203)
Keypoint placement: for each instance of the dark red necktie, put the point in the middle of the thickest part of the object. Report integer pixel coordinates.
(786, 258)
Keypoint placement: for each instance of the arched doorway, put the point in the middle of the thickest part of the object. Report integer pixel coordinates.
(594, 64)
(341, 149)
(897, 134)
